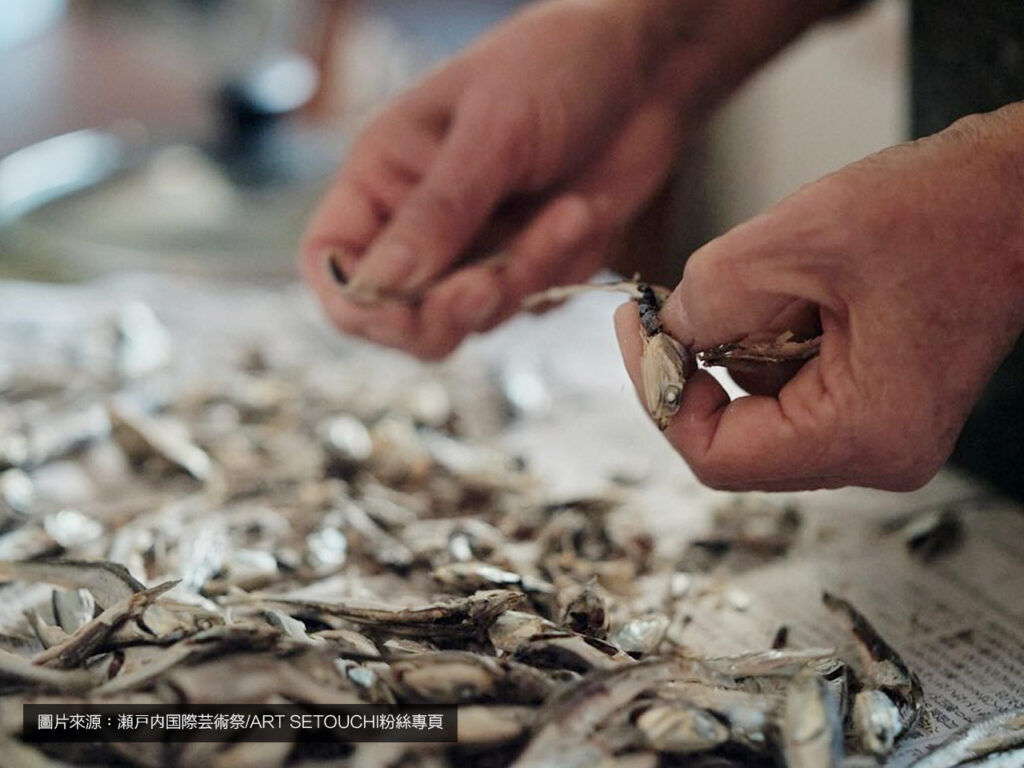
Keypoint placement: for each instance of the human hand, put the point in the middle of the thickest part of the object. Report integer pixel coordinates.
(911, 263)
(554, 112)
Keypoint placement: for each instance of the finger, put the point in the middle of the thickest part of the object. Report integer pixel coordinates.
(478, 297)
(381, 169)
(744, 281)
(471, 173)
(752, 442)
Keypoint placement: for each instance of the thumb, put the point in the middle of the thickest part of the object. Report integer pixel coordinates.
(733, 287)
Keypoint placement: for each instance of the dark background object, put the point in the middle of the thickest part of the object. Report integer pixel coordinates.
(968, 58)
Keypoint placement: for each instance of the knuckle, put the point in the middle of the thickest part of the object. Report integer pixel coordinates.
(434, 208)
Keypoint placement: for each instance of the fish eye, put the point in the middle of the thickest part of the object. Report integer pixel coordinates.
(672, 395)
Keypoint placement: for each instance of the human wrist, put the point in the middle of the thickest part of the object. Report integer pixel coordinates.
(695, 52)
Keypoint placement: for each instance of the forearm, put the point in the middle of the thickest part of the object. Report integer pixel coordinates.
(695, 52)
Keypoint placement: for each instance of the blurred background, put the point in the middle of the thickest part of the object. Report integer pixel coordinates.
(196, 135)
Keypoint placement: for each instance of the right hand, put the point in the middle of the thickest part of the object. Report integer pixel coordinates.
(554, 111)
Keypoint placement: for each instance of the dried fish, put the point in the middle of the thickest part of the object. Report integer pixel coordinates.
(48, 635)
(255, 678)
(474, 576)
(206, 643)
(876, 721)
(90, 636)
(458, 677)
(563, 739)
(108, 582)
(812, 733)
(642, 636)
(681, 729)
(65, 433)
(883, 668)
(761, 349)
(784, 662)
(70, 528)
(328, 550)
(360, 503)
(367, 679)
(585, 610)
(376, 542)
(567, 650)
(349, 644)
(348, 441)
(513, 630)
(17, 492)
(750, 716)
(995, 734)
(463, 617)
(142, 437)
(291, 628)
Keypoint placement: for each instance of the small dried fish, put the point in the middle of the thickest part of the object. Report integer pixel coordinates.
(585, 610)
(642, 636)
(254, 678)
(681, 729)
(70, 528)
(17, 492)
(883, 668)
(141, 436)
(566, 650)
(571, 718)
(458, 677)
(90, 636)
(206, 643)
(380, 544)
(368, 680)
(995, 734)
(812, 734)
(876, 721)
(514, 630)
(785, 662)
(761, 349)
(474, 576)
(291, 628)
(48, 635)
(349, 643)
(749, 716)
(665, 364)
(108, 582)
(463, 617)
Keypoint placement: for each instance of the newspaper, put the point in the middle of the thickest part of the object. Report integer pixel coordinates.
(958, 620)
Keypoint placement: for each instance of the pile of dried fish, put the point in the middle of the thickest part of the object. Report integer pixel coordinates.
(268, 534)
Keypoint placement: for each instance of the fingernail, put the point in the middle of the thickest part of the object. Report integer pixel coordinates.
(391, 266)
(477, 310)
(677, 319)
(332, 259)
